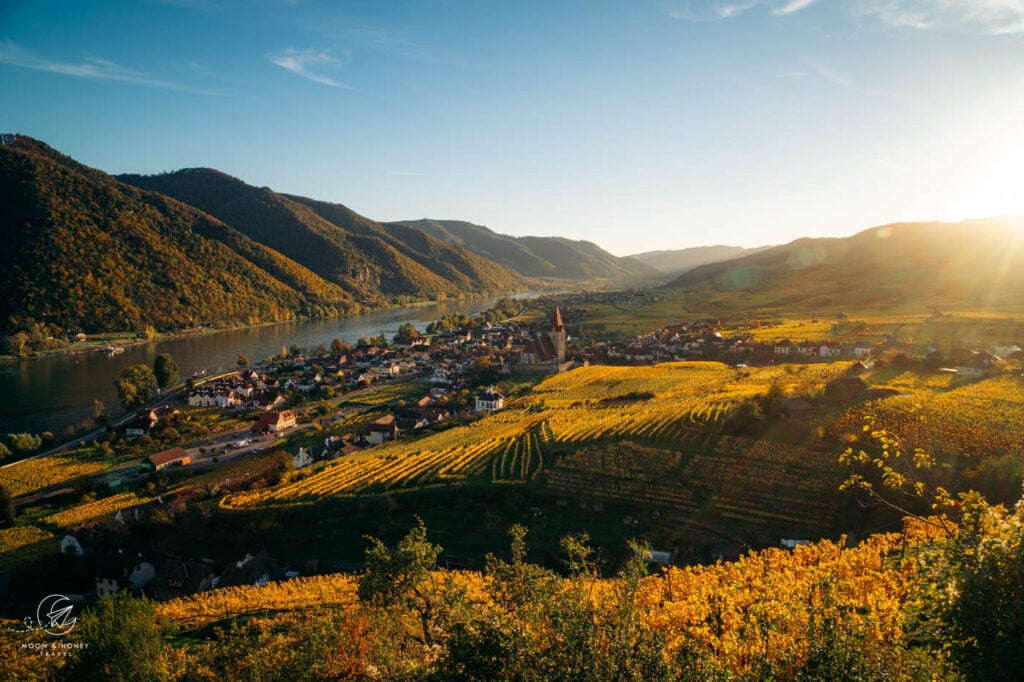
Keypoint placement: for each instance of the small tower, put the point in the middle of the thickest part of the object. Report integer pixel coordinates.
(557, 335)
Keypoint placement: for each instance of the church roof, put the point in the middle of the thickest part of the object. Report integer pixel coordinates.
(556, 320)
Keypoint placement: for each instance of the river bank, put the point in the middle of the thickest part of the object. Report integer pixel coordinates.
(60, 391)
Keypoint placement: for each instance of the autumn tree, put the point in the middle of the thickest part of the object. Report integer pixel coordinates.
(407, 333)
(135, 385)
(243, 360)
(339, 347)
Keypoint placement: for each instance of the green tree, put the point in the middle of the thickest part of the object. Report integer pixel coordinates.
(135, 386)
(7, 508)
(403, 577)
(166, 370)
(4, 451)
(125, 642)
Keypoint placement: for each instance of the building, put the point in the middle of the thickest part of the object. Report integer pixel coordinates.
(162, 460)
(488, 400)
(275, 422)
(381, 430)
(546, 353)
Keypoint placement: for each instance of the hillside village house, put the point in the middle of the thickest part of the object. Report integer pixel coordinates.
(162, 460)
(489, 400)
(275, 422)
(383, 429)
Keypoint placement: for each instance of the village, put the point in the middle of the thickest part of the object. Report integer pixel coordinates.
(452, 376)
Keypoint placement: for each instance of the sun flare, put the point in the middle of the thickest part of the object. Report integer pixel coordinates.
(989, 181)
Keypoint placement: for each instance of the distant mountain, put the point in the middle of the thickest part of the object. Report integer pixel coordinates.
(906, 266)
(342, 246)
(85, 251)
(548, 257)
(676, 262)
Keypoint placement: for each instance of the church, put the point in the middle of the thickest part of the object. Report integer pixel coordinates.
(546, 353)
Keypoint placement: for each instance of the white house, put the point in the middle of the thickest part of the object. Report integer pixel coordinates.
(303, 458)
(489, 400)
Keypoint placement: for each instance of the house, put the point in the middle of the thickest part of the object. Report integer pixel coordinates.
(830, 350)
(790, 543)
(134, 514)
(383, 429)
(783, 347)
(176, 578)
(162, 460)
(82, 540)
(489, 400)
(267, 400)
(146, 418)
(252, 570)
(275, 422)
(303, 458)
(122, 571)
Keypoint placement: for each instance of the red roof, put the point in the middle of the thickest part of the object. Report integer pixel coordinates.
(168, 456)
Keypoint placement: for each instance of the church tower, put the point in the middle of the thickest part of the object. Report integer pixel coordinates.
(557, 335)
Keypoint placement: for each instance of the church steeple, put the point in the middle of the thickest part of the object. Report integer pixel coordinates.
(557, 335)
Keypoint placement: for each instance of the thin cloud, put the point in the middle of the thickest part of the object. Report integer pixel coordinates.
(301, 63)
(828, 73)
(792, 6)
(714, 11)
(718, 10)
(92, 68)
(989, 17)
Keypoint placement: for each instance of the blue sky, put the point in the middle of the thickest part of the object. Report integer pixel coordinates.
(636, 124)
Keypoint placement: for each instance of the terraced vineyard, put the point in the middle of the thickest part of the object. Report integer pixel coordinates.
(23, 545)
(290, 595)
(982, 418)
(452, 456)
(106, 507)
(31, 475)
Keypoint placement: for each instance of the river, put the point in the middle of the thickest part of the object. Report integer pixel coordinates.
(58, 392)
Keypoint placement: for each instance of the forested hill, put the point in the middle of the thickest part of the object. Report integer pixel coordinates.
(333, 241)
(83, 251)
(921, 266)
(92, 252)
(550, 257)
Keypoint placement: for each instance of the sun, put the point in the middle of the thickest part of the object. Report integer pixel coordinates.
(988, 180)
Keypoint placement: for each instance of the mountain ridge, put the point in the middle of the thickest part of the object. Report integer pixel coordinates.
(978, 262)
(545, 257)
